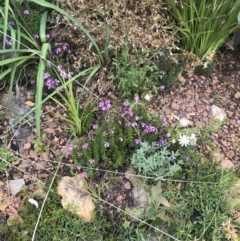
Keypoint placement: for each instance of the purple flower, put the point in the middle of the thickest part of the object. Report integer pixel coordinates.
(63, 74)
(143, 125)
(69, 149)
(128, 124)
(94, 126)
(161, 142)
(161, 54)
(85, 146)
(106, 144)
(137, 141)
(164, 119)
(78, 168)
(36, 36)
(91, 138)
(108, 104)
(162, 87)
(56, 82)
(125, 103)
(12, 23)
(46, 75)
(54, 56)
(134, 124)
(105, 105)
(58, 50)
(162, 72)
(26, 12)
(32, 81)
(137, 118)
(65, 46)
(91, 161)
(47, 36)
(150, 128)
(9, 42)
(130, 112)
(84, 174)
(50, 83)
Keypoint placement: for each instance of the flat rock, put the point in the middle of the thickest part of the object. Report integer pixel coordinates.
(16, 185)
(201, 108)
(41, 165)
(25, 164)
(75, 198)
(175, 106)
(218, 113)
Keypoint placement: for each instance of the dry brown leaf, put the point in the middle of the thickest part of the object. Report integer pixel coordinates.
(33, 154)
(237, 95)
(5, 204)
(29, 103)
(164, 202)
(44, 156)
(49, 130)
(27, 146)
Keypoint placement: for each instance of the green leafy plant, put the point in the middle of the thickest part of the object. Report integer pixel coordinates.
(158, 205)
(169, 69)
(133, 78)
(199, 211)
(41, 145)
(153, 161)
(204, 25)
(112, 139)
(6, 158)
(42, 53)
(18, 44)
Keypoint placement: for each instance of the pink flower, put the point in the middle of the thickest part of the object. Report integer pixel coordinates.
(26, 12)
(84, 174)
(69, 149)
(91, 161)
(137, 141)
(106, 144)
(94, 126)
(85, 146)
(36, 36)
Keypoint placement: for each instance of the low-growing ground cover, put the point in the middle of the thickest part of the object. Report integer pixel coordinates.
(117, 115)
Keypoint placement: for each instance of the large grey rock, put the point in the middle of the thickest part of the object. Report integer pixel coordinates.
(75, 197)
(16, 185)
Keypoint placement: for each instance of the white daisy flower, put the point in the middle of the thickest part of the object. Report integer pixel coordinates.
(184, 140)
(148, 97)
(184, 122)
(193, 139)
